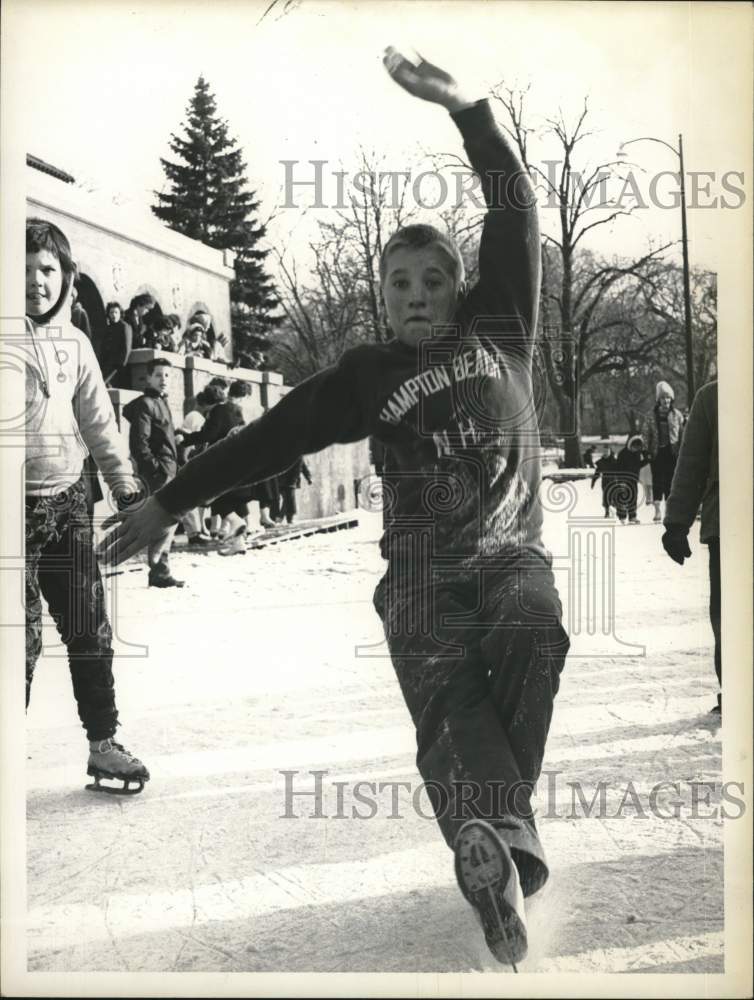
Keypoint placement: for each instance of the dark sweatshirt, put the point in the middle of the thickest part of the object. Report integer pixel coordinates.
(456, 414)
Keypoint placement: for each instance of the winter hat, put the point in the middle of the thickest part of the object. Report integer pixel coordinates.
(664, 389)
(635, 439)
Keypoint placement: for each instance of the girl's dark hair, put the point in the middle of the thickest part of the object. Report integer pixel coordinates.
(113, 305)
(210, 395)
(44, 235)
(144, 299)
(239, 389)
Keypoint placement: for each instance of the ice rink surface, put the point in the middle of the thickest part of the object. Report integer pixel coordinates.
(274, 662)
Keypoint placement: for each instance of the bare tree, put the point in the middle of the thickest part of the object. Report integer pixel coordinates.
(361, 231)
(573, 289)
(321, 312)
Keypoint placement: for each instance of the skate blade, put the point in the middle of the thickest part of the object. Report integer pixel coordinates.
(483, 869)
(125, 788)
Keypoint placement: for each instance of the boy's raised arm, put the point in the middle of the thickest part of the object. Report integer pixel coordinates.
(509, 249)
(509, 253)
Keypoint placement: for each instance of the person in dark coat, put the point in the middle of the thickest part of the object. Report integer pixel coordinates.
(115, 347)
(664, 433)
(695, 482)
(92, 488)
(589, 457)
(288, 483)
(605, 471)
(626, 484)
(136, 317)
(79, 316)
(155, 454)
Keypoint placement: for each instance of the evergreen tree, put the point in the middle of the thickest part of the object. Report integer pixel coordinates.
(209, 200)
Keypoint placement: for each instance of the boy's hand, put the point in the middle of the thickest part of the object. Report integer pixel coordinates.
(135, 530)
(426, 81)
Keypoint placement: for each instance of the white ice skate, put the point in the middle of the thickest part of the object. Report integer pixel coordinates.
(489, 880)
(108, 759)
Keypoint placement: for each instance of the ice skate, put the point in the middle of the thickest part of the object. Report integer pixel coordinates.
(108, 759)
(489, 880)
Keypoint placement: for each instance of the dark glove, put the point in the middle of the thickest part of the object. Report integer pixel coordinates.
(676, 544)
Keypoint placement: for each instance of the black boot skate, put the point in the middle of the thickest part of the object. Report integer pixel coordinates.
(488, 878)
(108, 759)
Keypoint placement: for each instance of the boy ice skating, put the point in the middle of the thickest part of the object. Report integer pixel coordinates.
(69, 415)
(468, 602)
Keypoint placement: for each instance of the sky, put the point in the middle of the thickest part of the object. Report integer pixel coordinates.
(310, 85)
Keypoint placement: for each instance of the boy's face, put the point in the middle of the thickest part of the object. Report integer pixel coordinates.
(113, 314)
(419, 290)
(44, 282)
(160, 378)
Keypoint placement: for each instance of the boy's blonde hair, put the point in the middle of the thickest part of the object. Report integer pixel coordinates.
(416, 238)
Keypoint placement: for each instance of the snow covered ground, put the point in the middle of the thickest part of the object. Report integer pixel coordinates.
(274, 661)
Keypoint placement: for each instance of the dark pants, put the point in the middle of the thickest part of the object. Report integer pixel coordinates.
(230, 504)
(625, 494)
(714, 602)
(61, 567)
(663, 467)
(288, 502)
(478, 660)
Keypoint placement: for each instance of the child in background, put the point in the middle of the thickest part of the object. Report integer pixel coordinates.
(288, 483)
(628, 465)
(605, 470)
(155, 452)
(69, 413)
(471, 614)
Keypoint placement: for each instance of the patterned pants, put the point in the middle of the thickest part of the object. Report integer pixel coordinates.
(479, 662)
(61, 567)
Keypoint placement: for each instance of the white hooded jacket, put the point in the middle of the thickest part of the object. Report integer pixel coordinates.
(68, 410)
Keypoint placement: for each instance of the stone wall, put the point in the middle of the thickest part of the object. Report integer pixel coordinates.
(336, 471)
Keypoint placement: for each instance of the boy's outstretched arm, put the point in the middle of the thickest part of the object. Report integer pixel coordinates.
(509, 252)
(328, 408)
